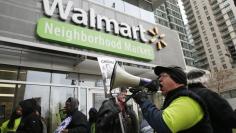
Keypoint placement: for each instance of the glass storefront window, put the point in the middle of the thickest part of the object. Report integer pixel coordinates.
(83, 100)
(98, 98)
(50, 89)
(95, 97)
(8, 72)
(6, 100)
(35, 76)
(40, 93)
(58, 97)
(59, 78)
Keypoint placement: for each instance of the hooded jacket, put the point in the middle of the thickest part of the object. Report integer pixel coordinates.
(30, 122)
(222, 116)
(108, 118)
(78, 122)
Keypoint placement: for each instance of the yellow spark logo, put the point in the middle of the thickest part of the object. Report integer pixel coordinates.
(156, 38)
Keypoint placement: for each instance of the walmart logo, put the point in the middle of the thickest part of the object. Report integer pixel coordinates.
(157, 38)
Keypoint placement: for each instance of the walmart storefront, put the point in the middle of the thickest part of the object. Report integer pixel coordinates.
(49, 50)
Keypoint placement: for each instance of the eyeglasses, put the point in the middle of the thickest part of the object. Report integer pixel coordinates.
(164, 75)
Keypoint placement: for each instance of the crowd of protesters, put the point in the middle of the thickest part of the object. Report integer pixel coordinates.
(189, 107)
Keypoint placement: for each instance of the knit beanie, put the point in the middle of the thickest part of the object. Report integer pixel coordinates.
(176, 73)
(195, 73)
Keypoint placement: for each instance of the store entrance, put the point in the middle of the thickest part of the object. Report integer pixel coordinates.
(50, 89)
(95, 97)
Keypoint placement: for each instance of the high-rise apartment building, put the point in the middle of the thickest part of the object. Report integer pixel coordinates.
(169, 15)
(213, 27)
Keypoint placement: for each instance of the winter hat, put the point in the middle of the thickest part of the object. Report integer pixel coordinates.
(197, 76)
(93, 115)
(28, 106)
(176, 73)
(195, 73)
(73, 101)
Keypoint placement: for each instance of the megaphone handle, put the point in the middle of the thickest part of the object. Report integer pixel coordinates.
(130, 96)
(120, 119)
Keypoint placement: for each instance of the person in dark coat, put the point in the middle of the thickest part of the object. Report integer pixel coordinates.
(182, 111)
(92, 120)
(43, 121)
(12, 124)
(222, 116)
(108, 120)
(30, 122)
(75, 121)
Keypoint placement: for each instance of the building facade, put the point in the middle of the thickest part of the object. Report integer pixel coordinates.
(213, 27)
(169, 15)
(49, 50)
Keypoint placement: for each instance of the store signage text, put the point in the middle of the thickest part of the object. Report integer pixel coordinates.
(86, 27)
(82, 37)
(90, 19)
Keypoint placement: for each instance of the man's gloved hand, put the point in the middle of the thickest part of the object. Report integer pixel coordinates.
(140, 97)
(153, 86)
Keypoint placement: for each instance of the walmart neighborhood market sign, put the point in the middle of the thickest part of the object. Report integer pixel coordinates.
(79, 34)
(86, 38)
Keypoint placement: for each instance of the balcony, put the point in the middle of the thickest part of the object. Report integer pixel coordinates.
(189, 11)
(193, 28)
(231, 49)
(220, 22)
(200, 53)
(227, 40)
(190, 17)
(186, 2)
(187, 7)
(223, 27)
(225, 34)
(198, 41)
(214, 5)
(220, 17)
(191, 20)
(195, 32)
(196, 37)
(217, 12)
(199, 47)
(192, 23)
(216, 8)
(213, 2)
(203, 65)
(201, 58)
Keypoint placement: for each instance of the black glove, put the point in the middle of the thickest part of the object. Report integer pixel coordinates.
(140, 97)
(153, 86)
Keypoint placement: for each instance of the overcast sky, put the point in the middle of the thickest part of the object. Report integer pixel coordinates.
(182, 11)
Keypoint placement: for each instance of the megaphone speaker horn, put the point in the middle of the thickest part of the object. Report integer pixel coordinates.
(120, 78)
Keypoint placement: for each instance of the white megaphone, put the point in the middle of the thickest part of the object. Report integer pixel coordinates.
(120, 78)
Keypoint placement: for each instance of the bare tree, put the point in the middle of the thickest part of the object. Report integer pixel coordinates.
(219, 80)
